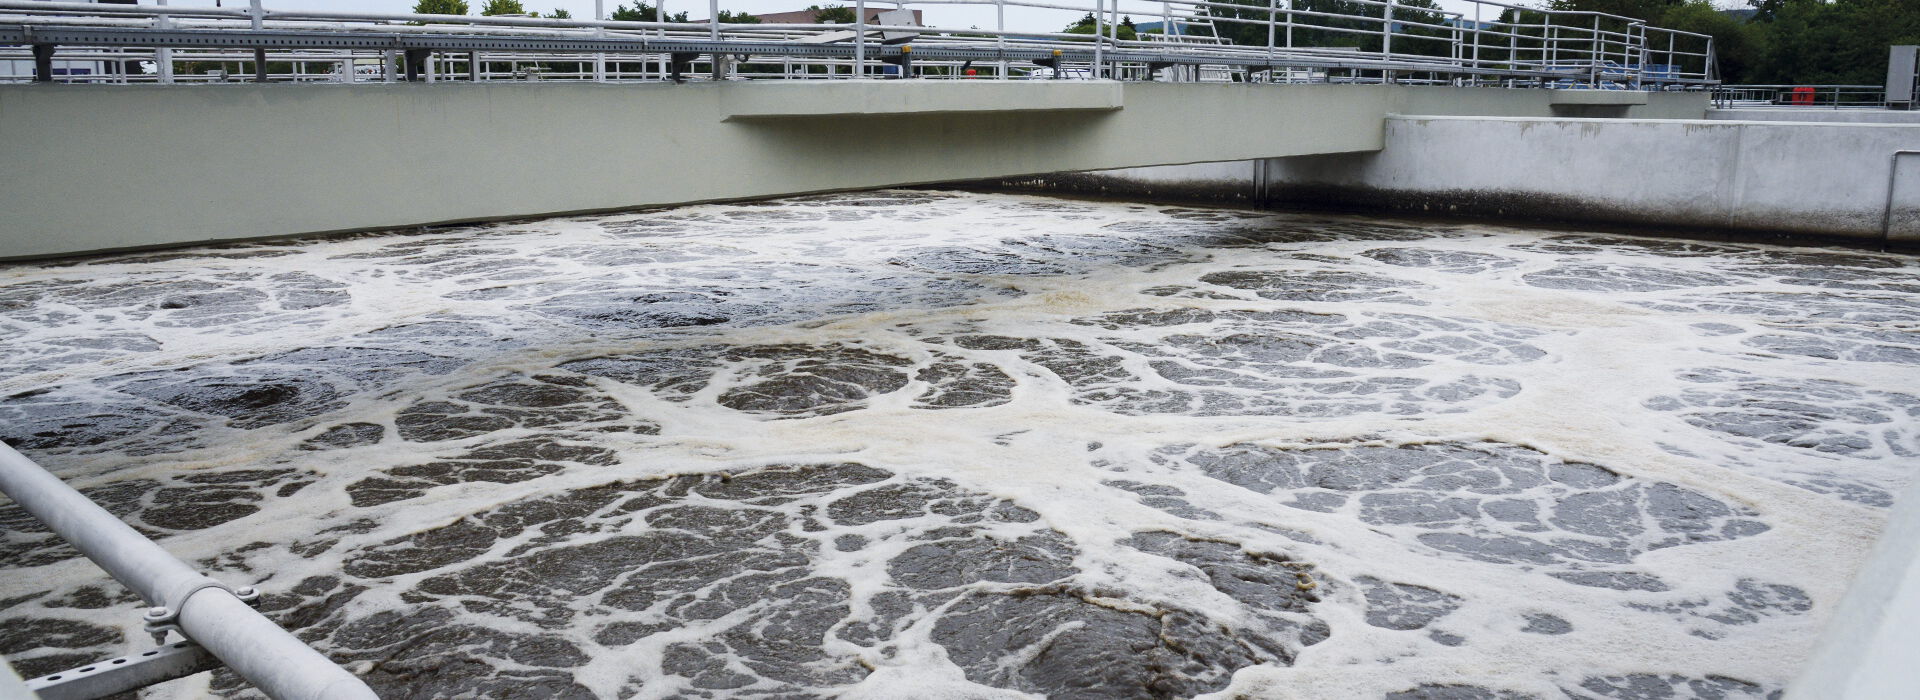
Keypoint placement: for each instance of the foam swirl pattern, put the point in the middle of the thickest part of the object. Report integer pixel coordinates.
(941, 444)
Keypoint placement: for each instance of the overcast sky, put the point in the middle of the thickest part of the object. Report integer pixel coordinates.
(1030, 19)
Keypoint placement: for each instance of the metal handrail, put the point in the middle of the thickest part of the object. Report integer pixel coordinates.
(203, 610)
(1533, 46)
(1817, 96)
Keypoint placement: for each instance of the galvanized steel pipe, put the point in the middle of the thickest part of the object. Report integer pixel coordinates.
(269, 657)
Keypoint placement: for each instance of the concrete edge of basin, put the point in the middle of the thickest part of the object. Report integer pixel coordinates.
(944, 97)
(1867, 647)
(1597, 97)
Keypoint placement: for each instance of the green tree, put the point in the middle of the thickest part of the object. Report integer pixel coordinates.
(1412, 35)
(643, 12)
(1841, 42)
(1740, 47)
(832, 14)
(1650, 10)
(1127, 32)
(558, 13)
(503, 7)
(728, 17)
(440, 7)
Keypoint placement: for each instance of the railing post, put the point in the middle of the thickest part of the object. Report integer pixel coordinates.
(599, 57)
(258, 16)
(163, 56)
(1593, 54)
(1672, 68)
(1645, 57)
(860, 39)
(1386, 38)
(1272, 17)
(1099, 36)
(1386, 43)
(1478, 29)
(1552, 43)
(1000, 40)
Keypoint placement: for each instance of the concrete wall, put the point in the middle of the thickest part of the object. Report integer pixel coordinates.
(1825, 116)
(1833, 180)
(109, 167)
(1819, 179)
(1867, 651)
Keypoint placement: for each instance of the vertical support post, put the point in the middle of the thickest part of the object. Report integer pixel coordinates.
(660, 15)
(387, 66)
(163, 56)
(599, 57)
(1272, 17)
(1550, 46)
(906, 62)
(1477, 29)
(258, 18)
(1594, 57)
(713, 20)
(1099, 37)
(1290, 25)
(416, 58)
(1646, 57)
(43, 63)
(1673, 67)
(1386, 42)
(473, 66)
(1386, 39)
(860, 39)
(1513, 43)
(1000, 40)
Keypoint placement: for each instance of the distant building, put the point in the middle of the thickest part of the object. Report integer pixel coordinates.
(1180, 28)
(812, 17)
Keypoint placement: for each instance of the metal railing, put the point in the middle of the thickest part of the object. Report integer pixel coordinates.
(1251, 40)
(215, 619)
(1800, 96)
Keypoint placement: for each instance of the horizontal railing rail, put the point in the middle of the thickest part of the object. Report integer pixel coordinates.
(1800, 96)
(1243, 40)
(209, 614)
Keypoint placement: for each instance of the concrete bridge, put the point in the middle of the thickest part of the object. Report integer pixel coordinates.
(133, 158)
(109, 167)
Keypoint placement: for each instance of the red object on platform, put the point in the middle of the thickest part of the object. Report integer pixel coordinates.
(1802, 96)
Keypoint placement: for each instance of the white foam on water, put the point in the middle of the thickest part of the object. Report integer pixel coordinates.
(1120, 370)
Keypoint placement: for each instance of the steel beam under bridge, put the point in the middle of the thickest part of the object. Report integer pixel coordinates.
(113, 167)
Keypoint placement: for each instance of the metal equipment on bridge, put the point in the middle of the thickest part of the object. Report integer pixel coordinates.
(1494, 44)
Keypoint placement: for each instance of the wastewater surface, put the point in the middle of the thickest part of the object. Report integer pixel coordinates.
(915, 444)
